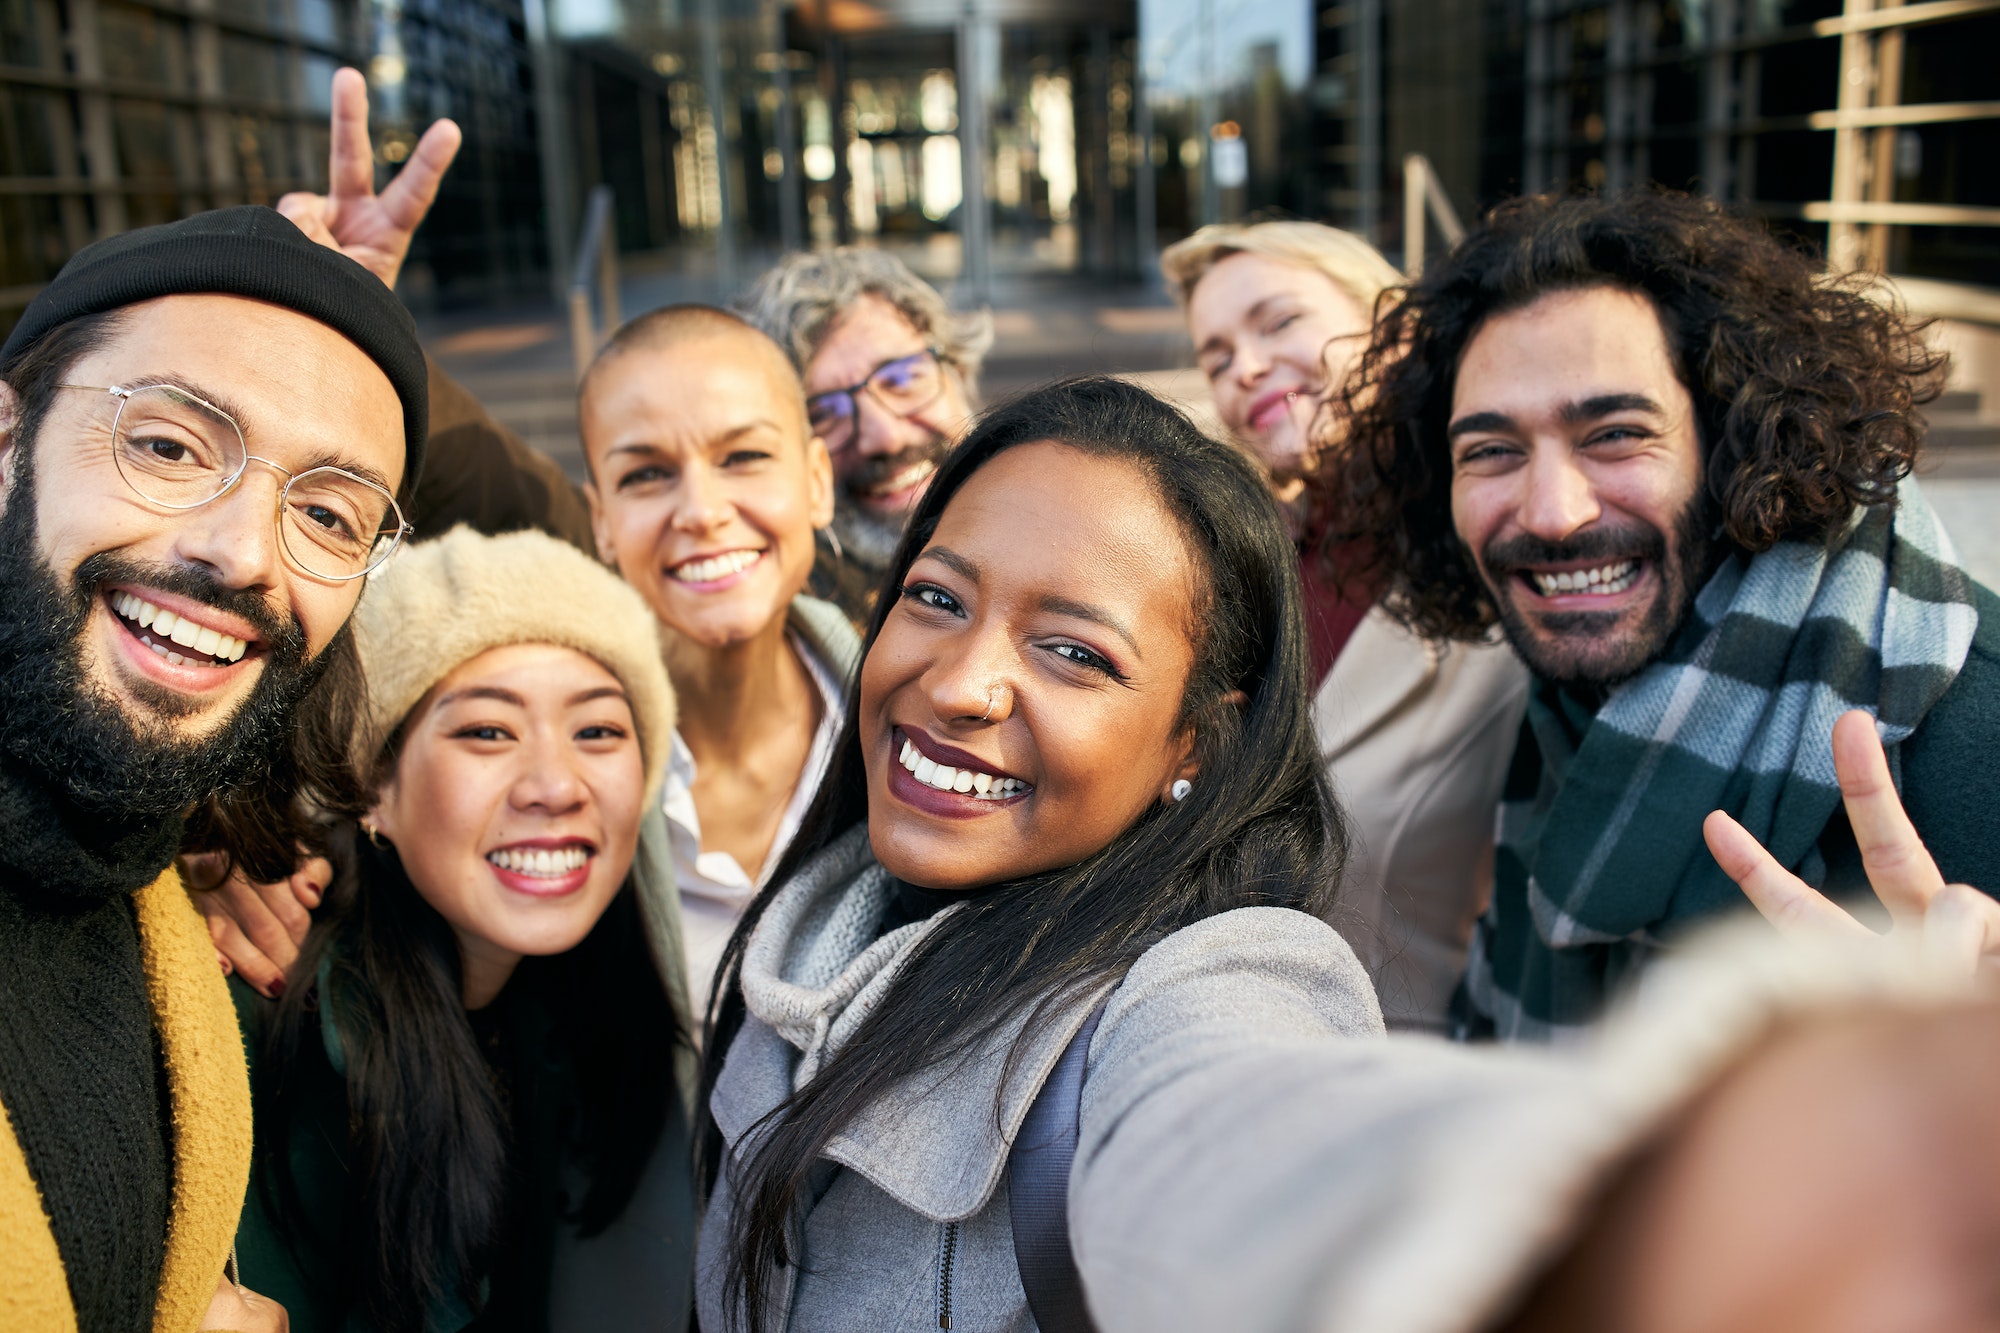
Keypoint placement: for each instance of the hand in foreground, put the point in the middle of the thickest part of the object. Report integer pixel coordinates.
(1844, 1177)
(1960, 924)
(239, 1310)
(373, 230)
(257, 928)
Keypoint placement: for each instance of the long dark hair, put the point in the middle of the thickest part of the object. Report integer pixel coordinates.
(1262, 831)
(435, 1152)
(1805, 388)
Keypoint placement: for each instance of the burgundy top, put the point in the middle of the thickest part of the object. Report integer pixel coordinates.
(1335, 605)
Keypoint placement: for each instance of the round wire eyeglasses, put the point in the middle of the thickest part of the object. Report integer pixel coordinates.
(177, 450)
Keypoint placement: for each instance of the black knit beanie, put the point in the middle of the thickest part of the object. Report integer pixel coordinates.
(248, 251)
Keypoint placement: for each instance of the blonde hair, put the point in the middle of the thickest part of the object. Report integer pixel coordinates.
(1355, 266)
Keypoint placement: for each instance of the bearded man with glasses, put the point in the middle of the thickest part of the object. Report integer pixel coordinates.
(205, 432)
(891, 377)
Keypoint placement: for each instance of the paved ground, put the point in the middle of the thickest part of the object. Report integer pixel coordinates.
(1970, 508)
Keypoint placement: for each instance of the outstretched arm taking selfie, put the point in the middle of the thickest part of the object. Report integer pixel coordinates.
(1700, 1162)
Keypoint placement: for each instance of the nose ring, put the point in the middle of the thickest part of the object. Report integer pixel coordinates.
(987, 716)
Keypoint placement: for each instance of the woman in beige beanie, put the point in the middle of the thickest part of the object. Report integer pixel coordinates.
(466, 1096)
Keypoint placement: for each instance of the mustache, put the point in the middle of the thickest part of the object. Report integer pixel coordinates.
(1509, 555)
(879, 467)
(281, 633)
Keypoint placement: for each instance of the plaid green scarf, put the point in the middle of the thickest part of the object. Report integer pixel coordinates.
(1600, 857)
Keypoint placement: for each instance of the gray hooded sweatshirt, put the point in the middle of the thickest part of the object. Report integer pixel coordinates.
(1254, 1154)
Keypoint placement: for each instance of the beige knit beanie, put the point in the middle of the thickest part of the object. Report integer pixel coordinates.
(440, 603)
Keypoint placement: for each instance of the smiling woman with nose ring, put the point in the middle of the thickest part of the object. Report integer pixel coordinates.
(1095, 605)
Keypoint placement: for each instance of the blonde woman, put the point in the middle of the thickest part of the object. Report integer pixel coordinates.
(1289, 308)
(1415, 735)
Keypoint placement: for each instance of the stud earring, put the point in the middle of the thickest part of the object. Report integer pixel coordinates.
(1181, 788)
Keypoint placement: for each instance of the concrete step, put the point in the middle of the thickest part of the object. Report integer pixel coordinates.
(1960, 441)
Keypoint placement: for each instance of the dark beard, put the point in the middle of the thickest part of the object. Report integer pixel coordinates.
(67, 731)
(1684, 562)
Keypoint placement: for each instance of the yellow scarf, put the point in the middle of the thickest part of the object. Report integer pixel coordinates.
(209, 1093)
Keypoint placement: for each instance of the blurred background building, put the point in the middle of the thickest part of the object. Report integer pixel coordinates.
(1085, 133)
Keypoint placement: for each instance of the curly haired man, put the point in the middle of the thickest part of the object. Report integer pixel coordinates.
(1669, 460)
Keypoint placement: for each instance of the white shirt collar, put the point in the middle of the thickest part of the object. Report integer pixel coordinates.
(717, 875)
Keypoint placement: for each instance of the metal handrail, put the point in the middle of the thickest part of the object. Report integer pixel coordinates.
(596, 258)
(1424, 197)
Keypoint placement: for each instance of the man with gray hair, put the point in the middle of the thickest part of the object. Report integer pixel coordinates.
(891, 378)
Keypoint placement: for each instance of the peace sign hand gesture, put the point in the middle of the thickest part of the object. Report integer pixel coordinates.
(1960, 925)
(373, 230)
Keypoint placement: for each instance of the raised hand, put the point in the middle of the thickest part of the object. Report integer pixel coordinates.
(1958, 922)
(373, 230)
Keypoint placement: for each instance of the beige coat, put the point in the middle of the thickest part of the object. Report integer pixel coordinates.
(1416, 737)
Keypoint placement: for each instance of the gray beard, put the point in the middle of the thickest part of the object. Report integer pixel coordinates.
(865, 539)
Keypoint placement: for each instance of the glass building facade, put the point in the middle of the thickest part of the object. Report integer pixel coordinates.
(119, 113)
(995, 138)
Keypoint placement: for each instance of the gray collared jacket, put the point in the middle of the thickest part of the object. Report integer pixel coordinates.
(912, 1229)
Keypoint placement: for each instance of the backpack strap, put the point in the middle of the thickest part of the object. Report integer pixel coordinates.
(1038, 1191)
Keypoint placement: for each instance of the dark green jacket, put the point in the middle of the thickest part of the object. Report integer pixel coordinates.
(635, 1275)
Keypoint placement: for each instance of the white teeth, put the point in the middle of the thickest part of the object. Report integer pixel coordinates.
(1603, 580)
(539, 861)
(714, 567)
(176, 659)
(946, 778)
(905, 479)
(177, 629)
